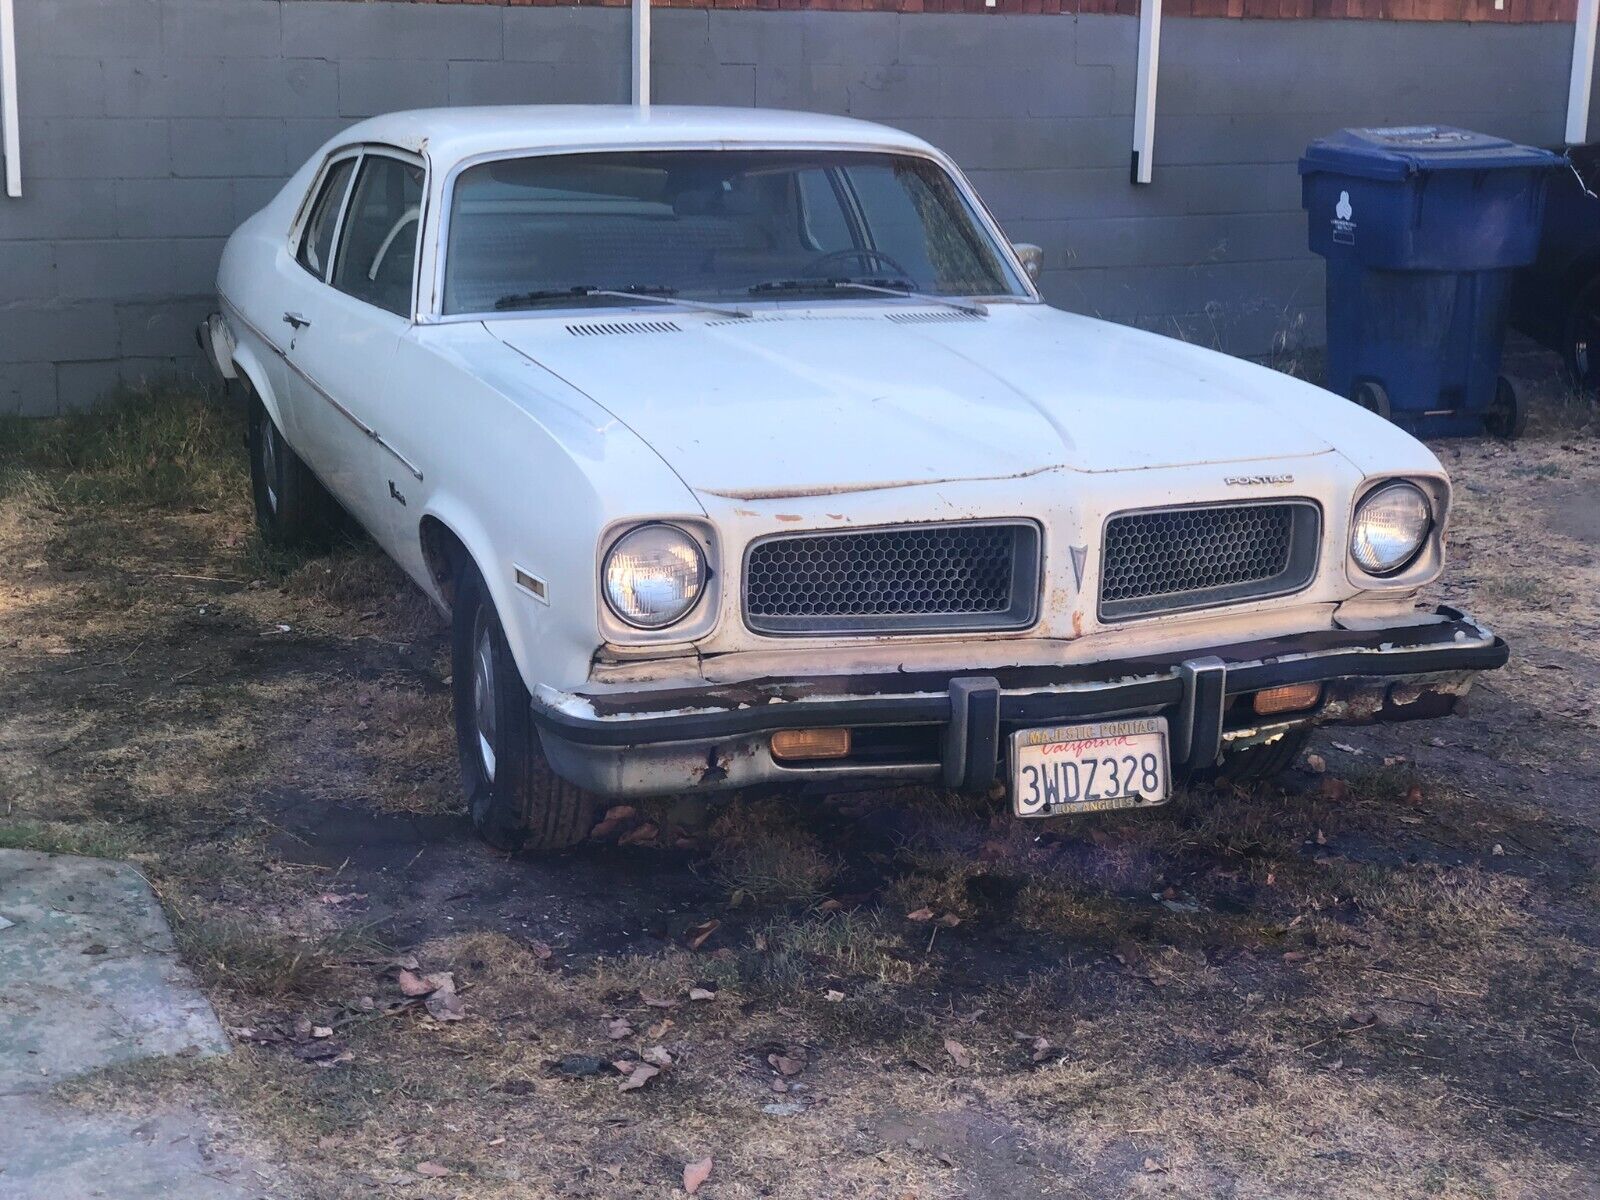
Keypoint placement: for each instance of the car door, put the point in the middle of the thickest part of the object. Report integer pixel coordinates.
(344, 329)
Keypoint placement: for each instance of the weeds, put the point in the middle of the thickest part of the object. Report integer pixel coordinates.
(247, 956)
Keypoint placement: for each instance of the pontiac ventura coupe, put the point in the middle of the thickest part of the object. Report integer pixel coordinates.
(740, 449)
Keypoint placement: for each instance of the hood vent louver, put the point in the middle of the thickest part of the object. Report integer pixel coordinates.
(607, 328)
(775, 318)
(931, 317)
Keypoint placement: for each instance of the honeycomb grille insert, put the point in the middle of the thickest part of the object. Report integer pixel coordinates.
(1185, 558)
(911, 579)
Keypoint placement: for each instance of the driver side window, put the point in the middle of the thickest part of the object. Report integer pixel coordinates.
(378, 248)
(316, 243)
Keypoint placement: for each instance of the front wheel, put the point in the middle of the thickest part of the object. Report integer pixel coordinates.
(1582, 340)
(1259, 763)
(514, 798)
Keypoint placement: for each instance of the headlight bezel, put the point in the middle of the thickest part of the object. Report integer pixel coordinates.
(696, 620)
(1426, 559)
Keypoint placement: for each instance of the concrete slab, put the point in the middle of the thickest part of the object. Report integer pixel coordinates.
(89, 978)
(89, 975)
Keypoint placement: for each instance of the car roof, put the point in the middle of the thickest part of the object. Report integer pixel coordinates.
(450, 135)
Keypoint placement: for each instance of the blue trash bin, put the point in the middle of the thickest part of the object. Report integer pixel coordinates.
(1422, 227)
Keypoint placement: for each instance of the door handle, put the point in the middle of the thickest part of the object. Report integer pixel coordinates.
(295, 319)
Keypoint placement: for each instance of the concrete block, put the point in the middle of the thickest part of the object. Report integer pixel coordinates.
(766, 39)
(537, 83)
(28, 389)
(95, 29)
(250, 196)
(704, 83)
(81, 386)
(815, 87)
(574, 35)
(337, 29)
(1003, 45)
(149, 208)
(137, 268)
(232, 28)
(60, 208)
(280, 87)
(53, 85)
(165, 87)
(93, 148)
(162, 329)
(683, 35)
(224, 148)
(28, 270)
(368, 87)
(58, 331)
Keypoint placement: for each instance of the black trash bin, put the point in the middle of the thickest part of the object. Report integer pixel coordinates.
(1422, 227)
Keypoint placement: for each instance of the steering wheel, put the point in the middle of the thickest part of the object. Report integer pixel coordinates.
(411, 214)
(871, 259)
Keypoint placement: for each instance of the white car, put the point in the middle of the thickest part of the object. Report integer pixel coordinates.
(741, 449)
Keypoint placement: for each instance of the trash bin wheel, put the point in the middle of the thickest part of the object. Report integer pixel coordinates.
(1581, 344)
(1371, 396)
(1508, 415)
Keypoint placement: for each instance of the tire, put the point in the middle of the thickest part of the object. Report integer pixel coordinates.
(1507, 416)
(516, 801)
(293, 509)
(1257, 764)
(1580, 343)
(1371, 396)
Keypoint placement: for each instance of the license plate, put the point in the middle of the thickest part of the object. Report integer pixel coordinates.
(1090, 768)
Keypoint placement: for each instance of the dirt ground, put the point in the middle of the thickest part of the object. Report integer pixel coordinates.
(1377, 978)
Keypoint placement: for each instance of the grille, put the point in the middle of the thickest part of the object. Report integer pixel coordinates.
(1185, 558)
(903, 580)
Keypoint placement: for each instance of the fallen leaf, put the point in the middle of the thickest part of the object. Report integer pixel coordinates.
(659, 1030)
(833, 995)
(1334, 788)
(432, 1170)
(618, 1028)
(1041, 1049)
(921, 914)
(603, 830)
(540, 950)
(959, 1053)
(657, 1002)
(1322, 838)
(700, 993)
(785, 1064)
(949, 920)
(498, 1141)
(1152, 1167)
(1497, 850)
(621, 812)
(445, 1005)
(412, 984)
(338, 1059)
(1316, 763)
(698, 936)
(828, 906)
(695, 1174)
(1414, 794)
(322, 1031)
(642, 1074)
(658, 1056)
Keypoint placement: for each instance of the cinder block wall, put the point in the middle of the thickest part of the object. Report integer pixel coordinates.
(152, 127)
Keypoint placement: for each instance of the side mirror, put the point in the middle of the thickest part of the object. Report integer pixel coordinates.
(1032, 258)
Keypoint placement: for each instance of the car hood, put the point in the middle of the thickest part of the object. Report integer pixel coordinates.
(817, 401)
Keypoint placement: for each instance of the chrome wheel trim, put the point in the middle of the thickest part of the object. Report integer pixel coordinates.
(483, 698)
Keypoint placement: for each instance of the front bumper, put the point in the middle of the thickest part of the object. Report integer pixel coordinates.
(952, 727)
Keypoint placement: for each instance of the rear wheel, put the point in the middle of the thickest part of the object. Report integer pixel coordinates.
(292, 507)
(515, 800)
(1256, 764)
(1371, 396)
(1508, 415)
(1581, 344)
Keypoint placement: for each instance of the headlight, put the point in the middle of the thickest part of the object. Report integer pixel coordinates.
(653, 575)
(1389, 528)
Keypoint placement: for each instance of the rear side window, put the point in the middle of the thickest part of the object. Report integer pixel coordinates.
(317, 241)
(378, 249)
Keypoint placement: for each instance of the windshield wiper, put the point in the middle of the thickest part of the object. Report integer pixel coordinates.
(903, 288)
(651, 293)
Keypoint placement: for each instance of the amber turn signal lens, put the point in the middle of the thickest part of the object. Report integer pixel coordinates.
(793, 744)
(1291, 697)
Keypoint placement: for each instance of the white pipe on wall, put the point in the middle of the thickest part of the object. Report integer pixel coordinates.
(1583, 33)
(641, 53)
(10, 136)
(1144, 94)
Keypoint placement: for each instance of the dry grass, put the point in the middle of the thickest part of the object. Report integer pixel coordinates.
(1201, 977)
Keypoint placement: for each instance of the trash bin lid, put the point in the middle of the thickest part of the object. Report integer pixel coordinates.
(1400, 151)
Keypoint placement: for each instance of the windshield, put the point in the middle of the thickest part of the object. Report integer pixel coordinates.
(711, 225)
